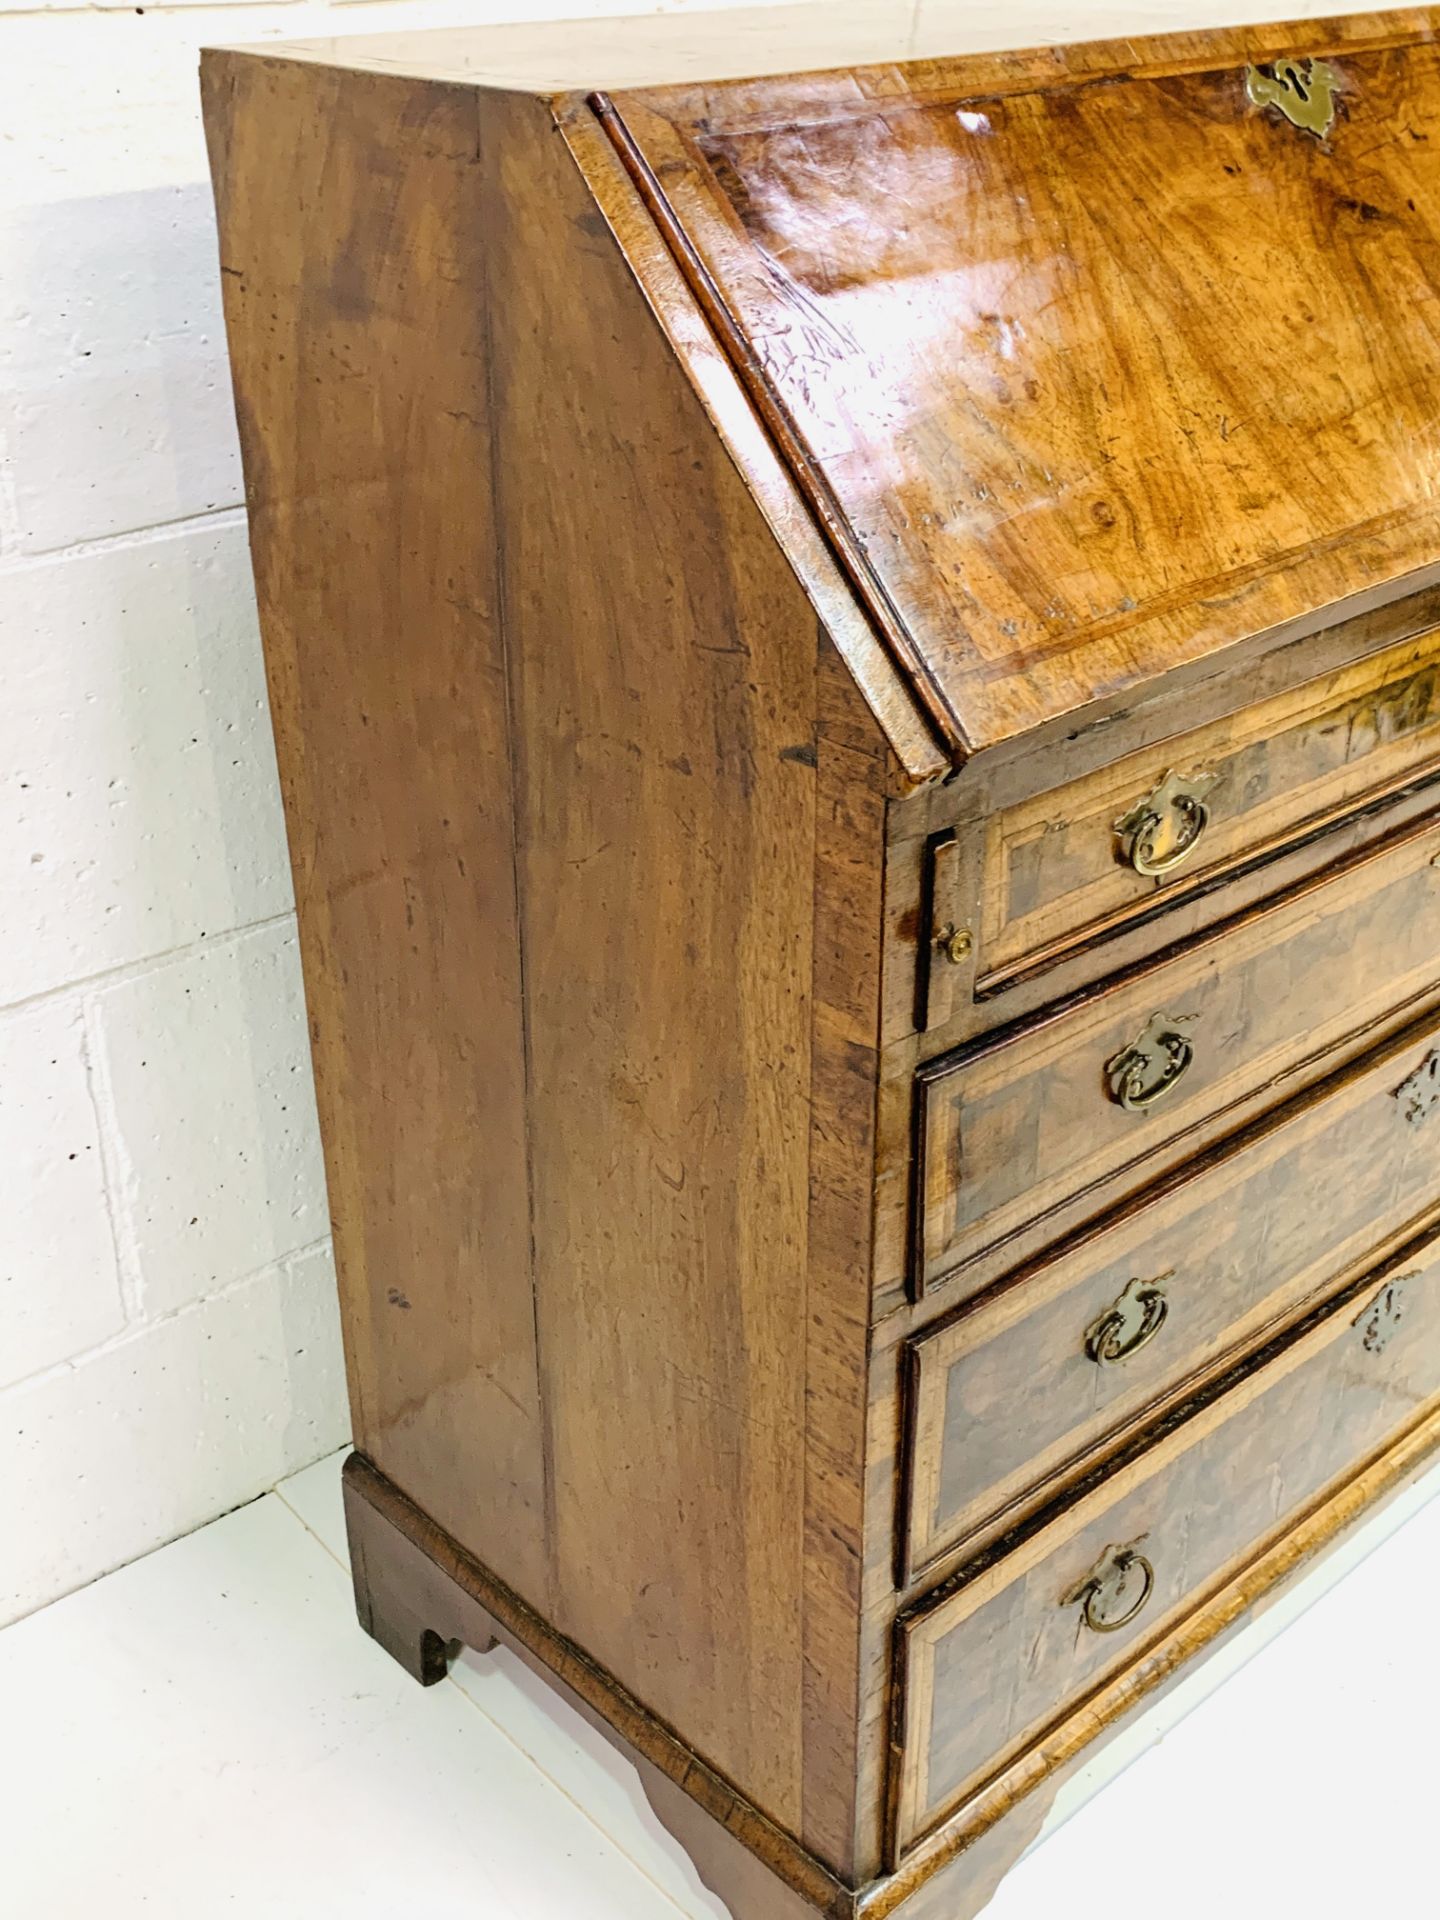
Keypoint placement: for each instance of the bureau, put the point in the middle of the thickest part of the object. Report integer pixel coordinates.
(855, 656)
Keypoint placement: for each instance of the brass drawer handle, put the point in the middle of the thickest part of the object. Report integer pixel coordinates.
(1160, 832)
(1154, 1063)
(1130, 1324)
(955, 943)
(1115, 1590)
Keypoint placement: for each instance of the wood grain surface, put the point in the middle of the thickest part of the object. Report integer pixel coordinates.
(1234, 1241)
(1012, 1130)
(554, 718)
(357, 341)
(1094, 379)
(992, 1665)
(1054, 868)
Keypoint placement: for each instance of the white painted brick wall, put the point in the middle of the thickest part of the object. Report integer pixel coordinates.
(168, 1340)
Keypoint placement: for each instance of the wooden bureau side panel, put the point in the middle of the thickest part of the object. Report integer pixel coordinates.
(689, 989)
(352, 271)
(588, 860)
(886, 712)
(1068, 458)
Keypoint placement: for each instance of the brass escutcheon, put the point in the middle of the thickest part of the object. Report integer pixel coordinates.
(1153, 1065)
(955, 943)
(1305, 95)
(1114, 1591)
(1160, 832)
(1131, 1323)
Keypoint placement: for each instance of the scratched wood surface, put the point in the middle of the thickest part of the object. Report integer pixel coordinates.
(378, 607)
(1097, 378)
(1295, 812)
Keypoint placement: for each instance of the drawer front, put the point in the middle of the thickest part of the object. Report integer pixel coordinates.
(1082, 861)
(1115, 1085)
(1020, 1390)
(1007, 1656)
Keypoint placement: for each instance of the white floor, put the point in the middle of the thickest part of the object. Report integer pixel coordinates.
(208, 1733)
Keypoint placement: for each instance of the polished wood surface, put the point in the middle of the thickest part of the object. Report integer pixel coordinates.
(957, 1001)
(378, 608)
(665, 1183)
(1004, 1655)
(1064, 453)
(919, 756)
(1232, 1243)
(588, 1266)
(1014, 1130)
(705, 697)
(1055, 872)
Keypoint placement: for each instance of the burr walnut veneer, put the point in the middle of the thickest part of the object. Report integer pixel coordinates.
(856, 664)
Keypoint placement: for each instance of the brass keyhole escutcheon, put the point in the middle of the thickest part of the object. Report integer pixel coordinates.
(1160, 833)
(1153, 1065)
(1130, 1324)
(955, 943)
(1305, 95)
(1115, 1591)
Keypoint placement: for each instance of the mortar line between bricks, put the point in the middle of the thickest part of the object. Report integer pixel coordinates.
(136, 1330)
(31, 558)
(136, 969)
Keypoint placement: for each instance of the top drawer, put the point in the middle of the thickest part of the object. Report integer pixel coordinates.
(1087, 860)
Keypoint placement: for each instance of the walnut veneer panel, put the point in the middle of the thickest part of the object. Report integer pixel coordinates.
(569, 1145)
(1011, 1130)
(1128, 1315)
(1016, 1647)
(1056, 875)
(1072, 434)
(378, 608)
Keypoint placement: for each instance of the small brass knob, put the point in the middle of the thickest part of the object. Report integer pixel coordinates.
(955, 943)
(1115, 1590)
(1160, 832)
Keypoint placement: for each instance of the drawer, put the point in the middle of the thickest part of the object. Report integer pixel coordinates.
(1020, 1390)
(1110, 1090)
(1083, 861)
(1008, 1654)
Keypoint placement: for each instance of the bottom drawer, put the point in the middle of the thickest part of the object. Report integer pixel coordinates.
(1010, 1647)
